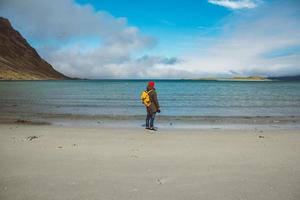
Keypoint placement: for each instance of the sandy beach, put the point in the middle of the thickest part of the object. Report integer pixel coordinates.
(132, 163)
(149, 100)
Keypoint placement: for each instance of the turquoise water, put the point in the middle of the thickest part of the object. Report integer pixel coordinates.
(177, 98)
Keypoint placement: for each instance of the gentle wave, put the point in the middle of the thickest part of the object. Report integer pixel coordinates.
(177, 98)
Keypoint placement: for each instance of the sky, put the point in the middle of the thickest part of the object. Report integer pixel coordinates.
(162, 38)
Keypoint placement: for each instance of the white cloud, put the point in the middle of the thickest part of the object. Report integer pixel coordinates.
(77, 63)
(248, 39)
(235, 4)
(64, 19)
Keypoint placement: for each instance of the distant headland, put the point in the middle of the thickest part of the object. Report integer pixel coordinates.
(236, 78)
(252, 78)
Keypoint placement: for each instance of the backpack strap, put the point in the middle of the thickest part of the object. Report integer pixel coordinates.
(149, 91)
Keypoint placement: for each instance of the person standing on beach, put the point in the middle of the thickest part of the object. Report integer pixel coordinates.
(152, 105)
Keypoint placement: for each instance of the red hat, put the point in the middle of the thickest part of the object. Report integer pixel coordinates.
(151, 83)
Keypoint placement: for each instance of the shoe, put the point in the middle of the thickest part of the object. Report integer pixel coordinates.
(153, 129)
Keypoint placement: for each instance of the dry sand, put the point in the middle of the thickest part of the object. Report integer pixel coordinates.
(113, 163)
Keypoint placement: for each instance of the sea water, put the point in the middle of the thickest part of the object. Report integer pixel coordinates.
(176, 97)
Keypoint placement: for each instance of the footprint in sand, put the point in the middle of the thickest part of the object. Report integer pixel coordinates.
(134, 151)
(135, 190)
(161, 181)
(134, 156)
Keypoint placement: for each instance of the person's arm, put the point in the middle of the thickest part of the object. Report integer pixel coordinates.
(155, 100)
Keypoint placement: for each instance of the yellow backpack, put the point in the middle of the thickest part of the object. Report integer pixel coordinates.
(146, 98)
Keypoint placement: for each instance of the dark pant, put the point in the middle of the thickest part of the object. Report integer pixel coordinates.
(150, 119)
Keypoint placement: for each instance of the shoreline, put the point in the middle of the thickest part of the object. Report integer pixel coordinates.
(173, 122)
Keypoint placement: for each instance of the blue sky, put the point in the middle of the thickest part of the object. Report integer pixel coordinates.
(169, 21)
(162, 39)
(164, 15)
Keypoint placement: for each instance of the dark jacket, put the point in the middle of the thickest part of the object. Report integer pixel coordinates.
(154, 106)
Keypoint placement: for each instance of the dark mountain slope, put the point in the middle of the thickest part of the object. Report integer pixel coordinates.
(18, 60)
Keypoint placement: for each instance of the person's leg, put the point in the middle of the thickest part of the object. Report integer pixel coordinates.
(152, 117)
(148, 119)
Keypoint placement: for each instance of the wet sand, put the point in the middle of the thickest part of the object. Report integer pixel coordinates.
(128, 121)
(132, 163)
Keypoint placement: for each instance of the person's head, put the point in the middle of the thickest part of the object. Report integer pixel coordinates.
(151, 84)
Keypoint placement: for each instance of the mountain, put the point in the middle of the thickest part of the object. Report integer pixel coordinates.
(286, 78)
(19, 61)
(237, 78)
